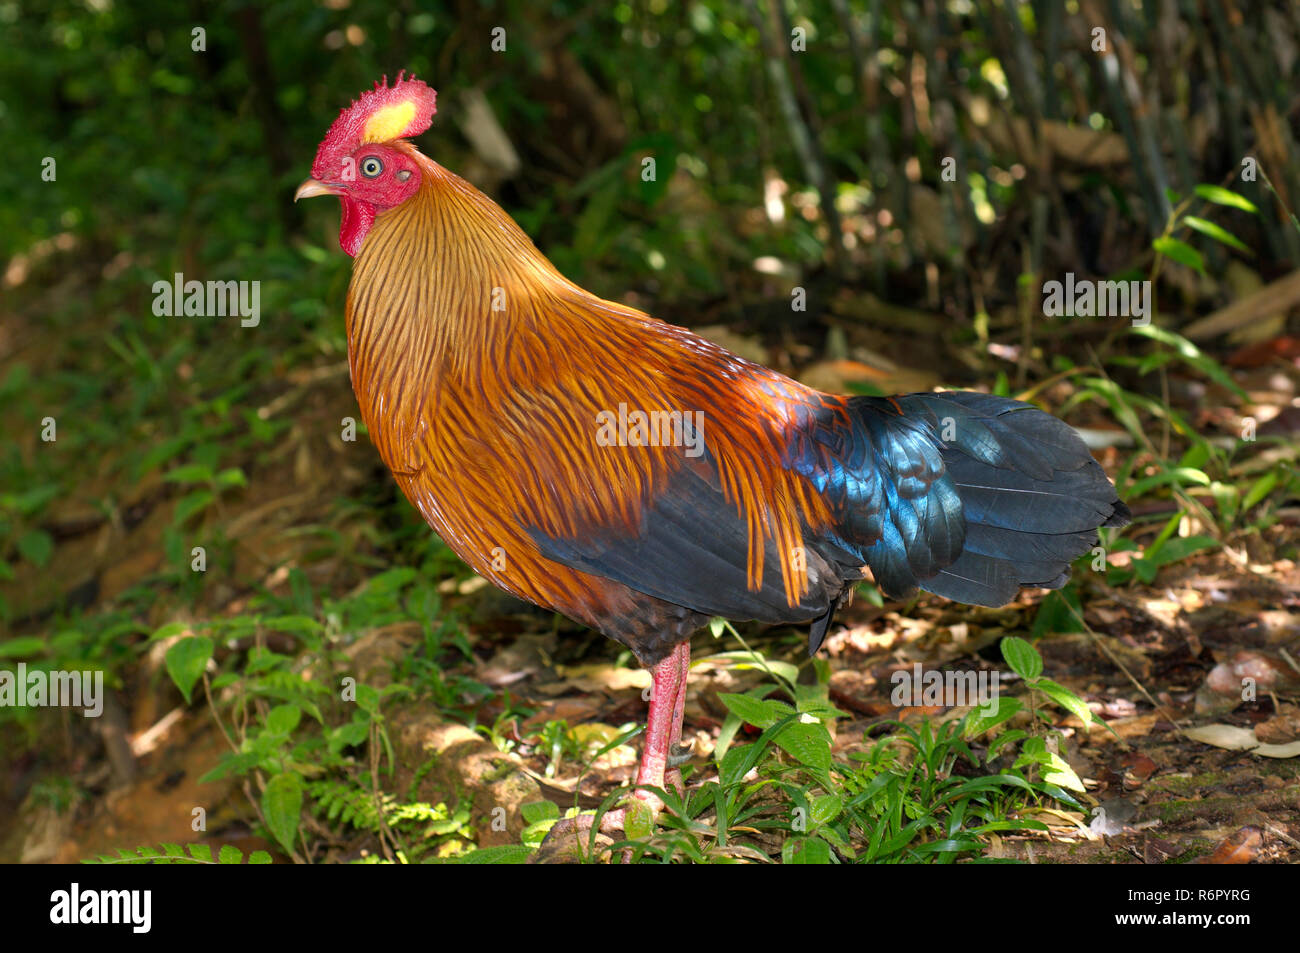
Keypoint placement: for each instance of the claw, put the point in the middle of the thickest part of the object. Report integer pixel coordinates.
(570, 839)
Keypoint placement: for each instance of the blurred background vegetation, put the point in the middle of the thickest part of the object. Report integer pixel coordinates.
(799, 144)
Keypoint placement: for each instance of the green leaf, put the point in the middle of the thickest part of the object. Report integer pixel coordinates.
(1226, 498)
(1259, 489)
(168, 630)
(1022, 657)
(192, 503)
(1216, 232)
(22, 647)
(753, 660)
(349, 735)
(638, 820)
(186, 661)
(978, 722)
(283, 719)
(229, 855)
(1192, 355)
(1067, 700)
(1056, 614)
(282, 807)
(824, 808)
(259, 857)
(1034, 751)
(391, 581)
(200, 852)
(293, 623)
(1178, 549)
(740, 760)
(1197, 455)
(535, 812)
(1005, 738)
(36, 546)
(190, 473)
(231, 476)
(806, 850)
(1056, 771)
(1221, 196)
(368, 699)
(756, 711)
(808, 744)
(29, 501)
(1179, 475)
(871, 593)
(726, 735)
(1179, 251)
(504, 854)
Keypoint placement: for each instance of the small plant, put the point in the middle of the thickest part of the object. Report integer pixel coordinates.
(557, 741)
(175, 854)
(302, 730)
(1175, 249)
(418, 829)
(1037, 750)
(930, 791)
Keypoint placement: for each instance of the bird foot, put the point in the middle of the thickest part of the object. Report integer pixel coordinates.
(571, 841)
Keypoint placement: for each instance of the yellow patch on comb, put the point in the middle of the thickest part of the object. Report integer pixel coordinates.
(388, 123)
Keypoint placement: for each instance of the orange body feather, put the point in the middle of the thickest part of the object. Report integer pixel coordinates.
(481, 371)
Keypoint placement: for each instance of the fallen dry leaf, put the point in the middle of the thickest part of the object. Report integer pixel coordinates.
(1239, 848)
(1281, 729)
(1240, 739)
(1138, 766)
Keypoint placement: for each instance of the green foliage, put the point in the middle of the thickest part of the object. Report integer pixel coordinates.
(1213, 481)
(186, 661)
(1177, 250)
(923, 793)
(300, 740)
(1039, 751)
(175, 854)
(423, 830)
(557, 739)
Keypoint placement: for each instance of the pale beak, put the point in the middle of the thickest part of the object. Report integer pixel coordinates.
(315, 187)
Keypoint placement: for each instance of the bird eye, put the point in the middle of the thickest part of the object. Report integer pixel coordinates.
(371, 167)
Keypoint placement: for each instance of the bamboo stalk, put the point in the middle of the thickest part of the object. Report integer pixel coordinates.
(790, 90)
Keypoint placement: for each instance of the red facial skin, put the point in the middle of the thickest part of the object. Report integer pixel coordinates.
(365, 195)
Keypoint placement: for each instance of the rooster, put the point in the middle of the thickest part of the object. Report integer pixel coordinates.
(640, 479)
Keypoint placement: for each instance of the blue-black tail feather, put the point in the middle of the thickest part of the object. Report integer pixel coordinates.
(961, 494)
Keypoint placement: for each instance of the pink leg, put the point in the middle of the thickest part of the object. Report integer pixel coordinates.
(683, 656)
(664, 723)
(662, 736)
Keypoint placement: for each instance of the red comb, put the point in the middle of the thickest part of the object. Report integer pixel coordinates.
(385, 105)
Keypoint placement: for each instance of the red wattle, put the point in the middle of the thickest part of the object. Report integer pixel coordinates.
(357, 219)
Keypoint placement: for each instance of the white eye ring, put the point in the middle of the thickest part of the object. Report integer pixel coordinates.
(371, 167)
